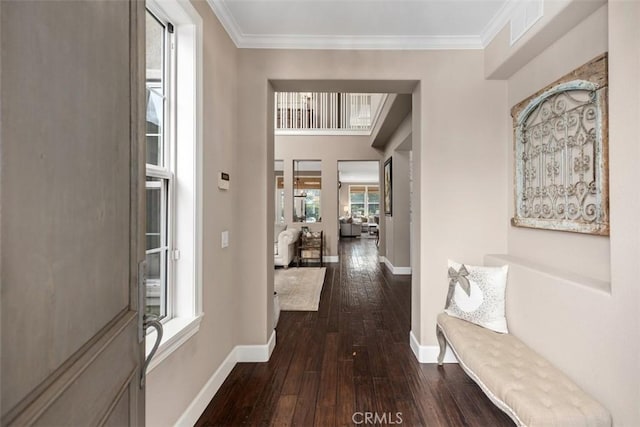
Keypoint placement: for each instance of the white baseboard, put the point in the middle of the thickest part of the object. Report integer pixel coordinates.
(240, 353)
(429, 353)
(393, 269)
(199, 404)
(256, 353)
(404, 271)
(331, 258)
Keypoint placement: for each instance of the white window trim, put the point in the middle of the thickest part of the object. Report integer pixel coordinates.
(366, 197)
(187, 300)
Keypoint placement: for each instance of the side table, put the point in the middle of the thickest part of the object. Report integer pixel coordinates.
(311, 247)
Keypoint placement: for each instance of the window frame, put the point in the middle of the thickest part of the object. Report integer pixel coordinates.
(366, 198)
(163, 247)
(185, 158)
(164, 171)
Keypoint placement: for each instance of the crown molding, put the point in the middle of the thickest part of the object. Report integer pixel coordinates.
(497, 23)
(371, 42)
(227, 20)
(253, 41)
(292, 41)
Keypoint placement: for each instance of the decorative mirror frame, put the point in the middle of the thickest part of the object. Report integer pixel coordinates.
(562, 182)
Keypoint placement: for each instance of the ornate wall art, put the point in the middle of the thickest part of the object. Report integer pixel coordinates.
(388, 188)
(561, 140)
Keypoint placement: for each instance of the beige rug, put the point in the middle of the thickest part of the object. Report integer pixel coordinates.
(299, 288)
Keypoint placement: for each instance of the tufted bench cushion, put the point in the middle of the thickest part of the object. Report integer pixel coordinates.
(517, 379)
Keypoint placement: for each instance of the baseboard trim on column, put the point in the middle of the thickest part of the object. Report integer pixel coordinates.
(393, 269)
(256, 353)
(429, 353)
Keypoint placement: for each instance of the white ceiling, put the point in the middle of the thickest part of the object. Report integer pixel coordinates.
(358, 172)
(365, 24)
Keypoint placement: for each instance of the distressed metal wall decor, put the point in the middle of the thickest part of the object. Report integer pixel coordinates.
(561, 139)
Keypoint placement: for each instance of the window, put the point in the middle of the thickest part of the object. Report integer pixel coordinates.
(307, 187)
(279, 175)
(364, 200)
(173, 171)
(160, 177)
(373, 200)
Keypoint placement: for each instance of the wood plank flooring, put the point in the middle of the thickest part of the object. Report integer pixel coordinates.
(349, 358)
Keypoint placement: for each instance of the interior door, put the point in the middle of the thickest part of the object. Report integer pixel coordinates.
(72, 199)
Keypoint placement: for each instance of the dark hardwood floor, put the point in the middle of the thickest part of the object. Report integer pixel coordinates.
(351, 357)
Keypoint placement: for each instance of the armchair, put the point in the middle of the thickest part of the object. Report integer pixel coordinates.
(285, 247)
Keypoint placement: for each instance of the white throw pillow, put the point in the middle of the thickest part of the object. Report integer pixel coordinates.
(477, 295)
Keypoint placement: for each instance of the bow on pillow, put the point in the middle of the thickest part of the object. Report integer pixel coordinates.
(460, 277)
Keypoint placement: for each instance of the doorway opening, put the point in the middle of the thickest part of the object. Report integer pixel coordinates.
(359, 202)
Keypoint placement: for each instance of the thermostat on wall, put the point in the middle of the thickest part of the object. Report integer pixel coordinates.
(223, 181)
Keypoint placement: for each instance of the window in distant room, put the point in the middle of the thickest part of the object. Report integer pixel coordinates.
(364, 200)
(307, 187)
(278, 168)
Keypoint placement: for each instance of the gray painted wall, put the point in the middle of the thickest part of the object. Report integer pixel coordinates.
(397, 226)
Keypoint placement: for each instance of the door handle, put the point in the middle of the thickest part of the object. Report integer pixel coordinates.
(150, 322)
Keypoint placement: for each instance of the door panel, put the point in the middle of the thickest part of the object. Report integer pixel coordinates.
(120, 414)
(70, 230)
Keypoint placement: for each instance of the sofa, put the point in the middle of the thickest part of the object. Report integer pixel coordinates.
(350, 229)
(284, 246)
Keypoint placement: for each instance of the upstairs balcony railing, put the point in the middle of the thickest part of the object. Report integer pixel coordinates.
(317, 111)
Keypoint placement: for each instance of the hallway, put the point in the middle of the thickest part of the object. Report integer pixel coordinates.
(351, 357)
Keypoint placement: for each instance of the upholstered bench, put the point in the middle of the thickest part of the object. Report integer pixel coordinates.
(517, 379)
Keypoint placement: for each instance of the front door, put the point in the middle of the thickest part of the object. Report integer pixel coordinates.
(71, 212)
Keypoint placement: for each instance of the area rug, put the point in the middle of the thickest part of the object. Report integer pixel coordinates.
(299, 288)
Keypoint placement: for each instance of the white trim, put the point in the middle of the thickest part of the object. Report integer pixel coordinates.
(296, 41)
(497, 23)
(240, 353)
(187, 298)
(520, 16)
(199, 166)
(227, 20)
(429, 353)
(188, 214)
(256, 353)
(395, 42)
(175, 333)
(391, 42)
(331, 258)
(199, 404)
(393, 269)
(331, 132)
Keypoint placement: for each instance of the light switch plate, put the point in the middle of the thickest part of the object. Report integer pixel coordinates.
(225, 239)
